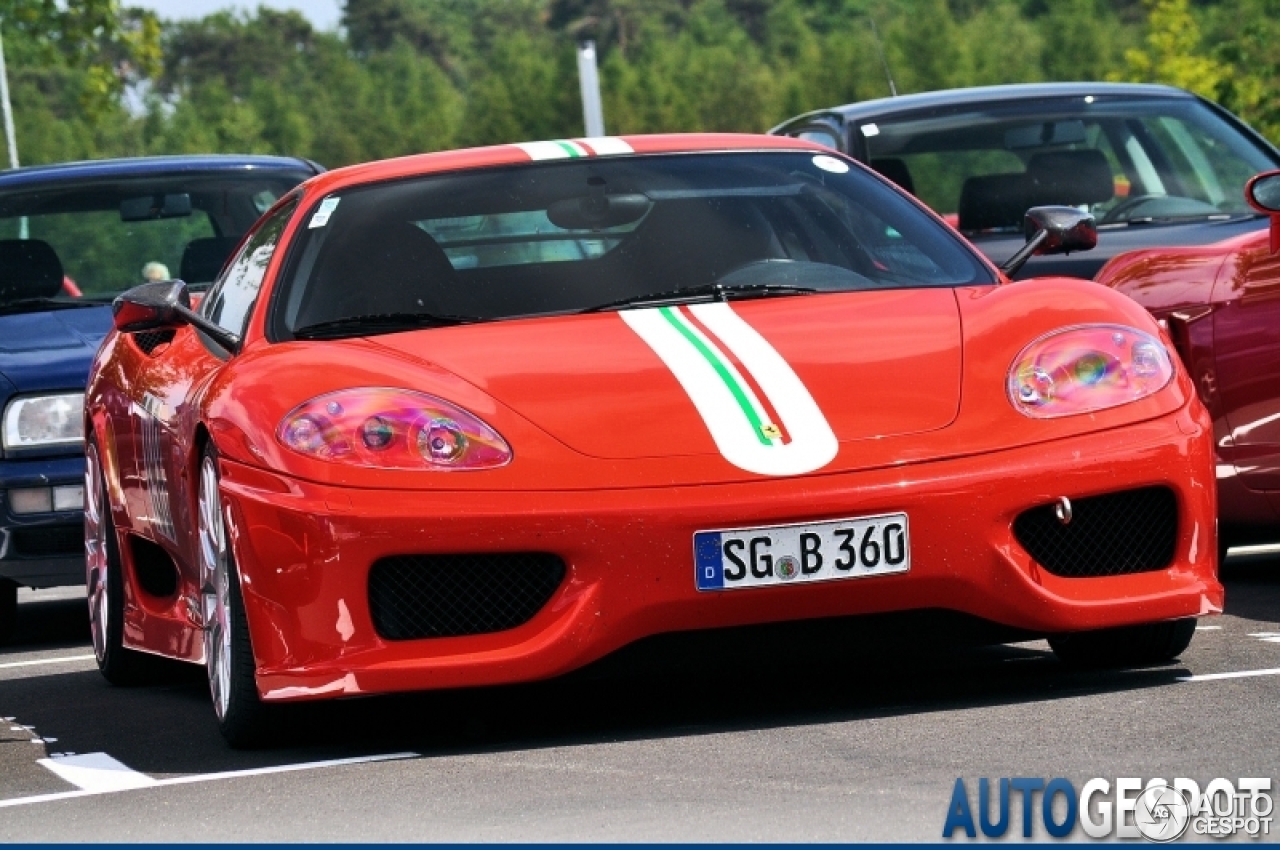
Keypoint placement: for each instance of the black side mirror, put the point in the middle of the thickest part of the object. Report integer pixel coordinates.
(1263, 194)
(151, 307)
(164, 305)
(1053, 230)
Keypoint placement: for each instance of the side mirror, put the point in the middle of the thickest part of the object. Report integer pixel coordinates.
(1053, 230)
(165, 305)
(151, 307)
(1263, 194)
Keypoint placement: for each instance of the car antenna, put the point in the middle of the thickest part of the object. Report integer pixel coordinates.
(875, 33)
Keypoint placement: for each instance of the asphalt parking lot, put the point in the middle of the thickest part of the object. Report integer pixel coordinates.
(824, 733)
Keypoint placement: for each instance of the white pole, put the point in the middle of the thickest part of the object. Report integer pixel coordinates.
(8, 109)
(589, 82)
(9, 136)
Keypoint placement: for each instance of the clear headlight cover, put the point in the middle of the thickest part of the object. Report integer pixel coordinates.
(388, 428)
(44, 420)
(1085, 369)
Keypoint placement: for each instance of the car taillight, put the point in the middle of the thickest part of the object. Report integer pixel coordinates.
(389, 428)
(1087, 368)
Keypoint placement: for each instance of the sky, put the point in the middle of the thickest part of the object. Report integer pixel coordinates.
(323, 14)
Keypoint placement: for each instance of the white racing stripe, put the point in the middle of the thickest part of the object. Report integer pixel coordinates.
(205, 777)
(572, 148)
(726, 402)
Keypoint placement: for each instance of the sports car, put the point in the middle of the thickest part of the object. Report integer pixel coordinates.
(1158, 166)
(485, 416)
(1221, 303)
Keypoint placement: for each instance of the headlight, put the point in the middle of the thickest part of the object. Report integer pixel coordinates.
(44, 420)
(1087, 368)
(392, 429)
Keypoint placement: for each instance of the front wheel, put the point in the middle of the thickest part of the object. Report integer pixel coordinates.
(243, 719)
(1126, 646)
(8, 609)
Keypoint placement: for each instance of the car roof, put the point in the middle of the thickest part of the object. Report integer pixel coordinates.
(518, 154)
(883, 106)
(148, 166)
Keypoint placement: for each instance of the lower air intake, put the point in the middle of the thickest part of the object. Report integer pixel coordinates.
(1133, 531)
(424, 596)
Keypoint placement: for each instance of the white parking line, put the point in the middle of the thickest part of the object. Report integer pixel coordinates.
(1240, 674)
(63, 660)
(97, 772)
(199, 777)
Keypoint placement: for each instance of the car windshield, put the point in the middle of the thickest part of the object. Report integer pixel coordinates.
(1128, 160)
(69, 243)
(606, 233)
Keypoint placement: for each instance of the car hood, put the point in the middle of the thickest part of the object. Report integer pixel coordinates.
(773, 384)
(52, 349)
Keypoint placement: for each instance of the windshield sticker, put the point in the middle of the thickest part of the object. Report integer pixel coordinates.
(830, 163)
(777, 431)
(870, 129)
(575, 148)
(321, 217)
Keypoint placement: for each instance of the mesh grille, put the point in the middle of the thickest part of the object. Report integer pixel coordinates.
(1134, 531)
(48, 540)
(420, 596)
(149, 341)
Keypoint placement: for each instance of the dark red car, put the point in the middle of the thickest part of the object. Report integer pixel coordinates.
(1222, 306)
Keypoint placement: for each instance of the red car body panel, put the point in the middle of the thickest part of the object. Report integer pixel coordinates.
(614, 472)
(1222, 303)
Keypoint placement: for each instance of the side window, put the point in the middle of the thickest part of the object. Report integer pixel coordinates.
(232, 298)
(818, 135)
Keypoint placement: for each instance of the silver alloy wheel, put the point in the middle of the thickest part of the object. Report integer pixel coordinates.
(96, 567)
(215, 588)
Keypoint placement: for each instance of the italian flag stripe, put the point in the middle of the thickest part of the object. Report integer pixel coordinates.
(575, 148)
(738, 388)
(728, 370)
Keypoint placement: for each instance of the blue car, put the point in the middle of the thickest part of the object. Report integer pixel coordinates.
(72, 237)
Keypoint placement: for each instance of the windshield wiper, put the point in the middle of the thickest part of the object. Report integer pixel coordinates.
(378, 323)
(704, 292)
(27, 305)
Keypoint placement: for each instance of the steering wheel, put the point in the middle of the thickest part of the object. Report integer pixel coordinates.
(1120, 212)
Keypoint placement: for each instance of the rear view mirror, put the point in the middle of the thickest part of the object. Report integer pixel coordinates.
(598, 211)
(1263, 194)
(1053, 230)
(1044, 134)
(150, 207)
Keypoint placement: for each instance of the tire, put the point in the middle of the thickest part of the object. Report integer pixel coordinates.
(8, 609)
(104, 580)
(243, 719)
(1127, 646)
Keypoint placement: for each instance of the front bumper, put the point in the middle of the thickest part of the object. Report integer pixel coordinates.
(305, 550)
(41, 549)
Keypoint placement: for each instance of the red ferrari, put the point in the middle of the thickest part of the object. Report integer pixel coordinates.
(485, 416)
(1221, 303)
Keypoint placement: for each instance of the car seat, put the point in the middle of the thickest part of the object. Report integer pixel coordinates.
(203, 258)
(29, 268)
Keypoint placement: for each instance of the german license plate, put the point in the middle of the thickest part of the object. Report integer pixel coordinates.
(734, 558)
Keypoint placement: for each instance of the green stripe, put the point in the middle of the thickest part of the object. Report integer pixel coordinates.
(739, 392)
(569, 149)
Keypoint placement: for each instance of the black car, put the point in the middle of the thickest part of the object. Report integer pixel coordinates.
(1156, 165)
(72, 237)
